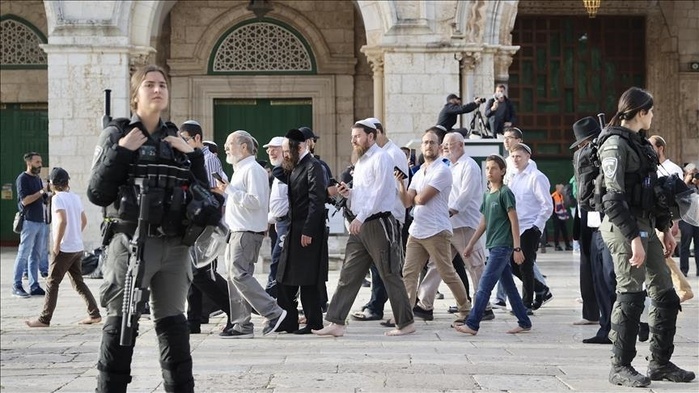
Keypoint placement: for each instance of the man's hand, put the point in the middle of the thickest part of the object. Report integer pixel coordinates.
(453, 212)
(178, 143)
(508, 124)
(638, 253)
(56, 250)
(468, 250)
(133, 140)
(495, 105)
(669, 243)
(306, 240)
(220, 187)
(343, 189)
(355, 226)
(518, 257)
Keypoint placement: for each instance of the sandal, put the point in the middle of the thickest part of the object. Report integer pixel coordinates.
(365, 315)
(388, 323)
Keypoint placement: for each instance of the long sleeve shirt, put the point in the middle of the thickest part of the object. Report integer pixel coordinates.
(399, 160)
(247, 197)
(278, 201)
(373, 188)
(212, 165)
(534, 203)
(466, 193)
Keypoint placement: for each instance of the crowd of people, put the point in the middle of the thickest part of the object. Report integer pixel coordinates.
(410, 227)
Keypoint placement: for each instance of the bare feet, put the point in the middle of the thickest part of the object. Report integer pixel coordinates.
(90, 321)
(518, 329)
(333, 329)
(35, 323)
(401, 332)
(465, 329)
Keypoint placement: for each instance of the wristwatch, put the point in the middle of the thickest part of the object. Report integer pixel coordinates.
(517, 249)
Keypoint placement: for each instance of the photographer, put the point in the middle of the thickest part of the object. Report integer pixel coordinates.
(500, 111)
(453, 108)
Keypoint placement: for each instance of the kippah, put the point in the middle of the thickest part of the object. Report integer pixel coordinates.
(525, 147)
(366, 123)
(373, 120)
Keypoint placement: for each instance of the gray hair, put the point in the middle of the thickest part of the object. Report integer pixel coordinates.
(243, 137)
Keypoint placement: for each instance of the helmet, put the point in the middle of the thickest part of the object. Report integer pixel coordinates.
(688, 203)
(209, 245)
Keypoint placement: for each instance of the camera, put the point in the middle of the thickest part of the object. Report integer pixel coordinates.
(696, 176)
(480, 100)
(498, 95)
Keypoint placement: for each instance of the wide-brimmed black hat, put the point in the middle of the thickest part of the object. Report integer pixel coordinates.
(585, 128)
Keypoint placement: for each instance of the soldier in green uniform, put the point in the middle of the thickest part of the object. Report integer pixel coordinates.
(632, 212)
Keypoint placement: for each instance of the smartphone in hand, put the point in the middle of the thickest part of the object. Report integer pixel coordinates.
(401, 173)
(217, 177)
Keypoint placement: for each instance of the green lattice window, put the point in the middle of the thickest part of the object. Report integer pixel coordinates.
(20, 42)
(571, 67)
(262, 46)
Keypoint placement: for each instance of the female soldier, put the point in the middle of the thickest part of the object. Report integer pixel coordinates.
(628, 166)
(144, 155)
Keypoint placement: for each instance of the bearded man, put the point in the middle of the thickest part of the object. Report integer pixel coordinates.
(303, 265)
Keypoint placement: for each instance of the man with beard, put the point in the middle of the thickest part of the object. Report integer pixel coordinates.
(278, 209)
(247, 199)
(431, 231)
(304, 261)
(34, 236)
(373, 236)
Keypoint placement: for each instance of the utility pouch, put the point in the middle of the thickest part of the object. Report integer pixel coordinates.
(647, 194)
(172, 221)
(107, 232)
(127, 209)
(154, 202)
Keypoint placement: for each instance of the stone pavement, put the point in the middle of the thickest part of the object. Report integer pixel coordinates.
(551, 358)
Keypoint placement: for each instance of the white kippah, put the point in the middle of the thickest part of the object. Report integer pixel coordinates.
(367, 123)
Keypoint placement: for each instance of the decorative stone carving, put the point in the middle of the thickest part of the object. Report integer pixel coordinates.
(20, 45)
(468, 60)
(375, 58)
(476, 21)
(503, 60)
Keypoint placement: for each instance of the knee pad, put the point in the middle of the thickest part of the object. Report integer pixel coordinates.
(625, 319)
(114, 361)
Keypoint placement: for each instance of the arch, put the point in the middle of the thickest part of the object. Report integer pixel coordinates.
(253, 37)
(20, 44)
(486, 21)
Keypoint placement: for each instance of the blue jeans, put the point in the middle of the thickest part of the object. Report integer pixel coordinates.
(282, 228)
(497, 268)
(32, 246)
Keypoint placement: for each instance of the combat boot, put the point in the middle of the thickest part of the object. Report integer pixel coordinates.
(627, 376)
(668, 371)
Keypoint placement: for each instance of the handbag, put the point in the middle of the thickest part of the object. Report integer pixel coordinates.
(679, 281)
(18, 222)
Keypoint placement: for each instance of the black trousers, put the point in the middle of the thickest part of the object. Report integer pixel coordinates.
(590, 309)
(604, 280)
(216, 288)
(559, 228)
(310, 302)
(529, 242)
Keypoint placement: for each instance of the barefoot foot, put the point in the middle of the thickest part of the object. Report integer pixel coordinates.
(402, 332)
(465, 329)
(518, 329)
(333, 330)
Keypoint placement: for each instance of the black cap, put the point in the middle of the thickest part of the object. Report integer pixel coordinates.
(59, 176)
(452, 96)
(295, 135)
(585, 128)
(308, 133)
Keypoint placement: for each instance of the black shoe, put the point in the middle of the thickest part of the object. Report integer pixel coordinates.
(540, 300)
(643, 332)
(627, 376)
(500, 304)
(529, 312)
(366, 283)
(37, 292)
(453, 309)
(558, 248)
(307, 330)
(20, 292)
(273, 324)
(46, 274)
(420, 312)
(194, 329)
(597, 340)
(440, 295)
(232, 333)
(488, 315)
(668, 371)
(569, 248)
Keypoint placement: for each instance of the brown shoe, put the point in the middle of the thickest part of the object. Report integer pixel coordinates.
(90, 321)
(35, 323)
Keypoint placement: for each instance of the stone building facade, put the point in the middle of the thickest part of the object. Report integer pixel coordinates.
(395, 60)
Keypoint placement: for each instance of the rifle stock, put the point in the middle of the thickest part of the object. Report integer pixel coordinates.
(107, 117)
(135, 296)
(602, 120)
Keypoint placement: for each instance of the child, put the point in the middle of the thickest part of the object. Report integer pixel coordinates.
(500, 217)
(68, 219)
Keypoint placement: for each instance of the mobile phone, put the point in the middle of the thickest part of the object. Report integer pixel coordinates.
(396, 169)
(217, 177)
(332, 182)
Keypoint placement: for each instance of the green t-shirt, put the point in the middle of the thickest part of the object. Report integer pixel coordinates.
(495, 207)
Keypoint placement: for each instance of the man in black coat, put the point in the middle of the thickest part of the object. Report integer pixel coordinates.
(304, 260)
(453, 108)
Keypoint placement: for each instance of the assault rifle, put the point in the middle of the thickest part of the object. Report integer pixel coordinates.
(602, 121)
(107, 117)
(135, 296)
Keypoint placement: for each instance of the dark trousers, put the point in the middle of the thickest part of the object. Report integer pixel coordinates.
(379, 296)
(604, 280)
(590, 309)
(216, 288)
(559, 228)
(529, 241)
(689, 233)
(310, 302)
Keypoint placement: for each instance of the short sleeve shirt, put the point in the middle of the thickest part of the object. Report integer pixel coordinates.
(433, 217)
(495, 207)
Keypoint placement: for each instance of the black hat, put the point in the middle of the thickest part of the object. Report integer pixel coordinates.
(295, 135)
(585, 128)
(308, 133)
(452, 96)
(59, 176)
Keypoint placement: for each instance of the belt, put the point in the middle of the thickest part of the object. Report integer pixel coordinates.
(280, 219)
(255, 233)
(129, 228)
(376, 216)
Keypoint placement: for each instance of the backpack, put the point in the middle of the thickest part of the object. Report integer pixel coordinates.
(568, 198)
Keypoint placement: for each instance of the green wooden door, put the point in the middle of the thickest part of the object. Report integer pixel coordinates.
(23, 128)
(262, 118)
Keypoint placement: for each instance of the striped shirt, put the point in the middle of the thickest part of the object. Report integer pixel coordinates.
(212, 165)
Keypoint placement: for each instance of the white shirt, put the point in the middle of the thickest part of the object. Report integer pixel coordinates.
(668, 168)
(278, 201)
(372, 186)
(466, 192)
(70, 203)
(399, 160)
(511, 170)
(433, 217)
(247, 197)
(534, 203)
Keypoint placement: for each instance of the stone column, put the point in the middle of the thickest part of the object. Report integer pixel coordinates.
(502, 62)
(471, 81)
(375, 58)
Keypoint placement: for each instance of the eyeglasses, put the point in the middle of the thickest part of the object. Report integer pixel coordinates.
(429, 143)
(187, 138)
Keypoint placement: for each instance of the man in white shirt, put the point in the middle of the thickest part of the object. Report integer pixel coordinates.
(531, 189)
(431, 231)
(374, 309)
(464, 211)
(278, 210)
(373, 237)
(666, 167)
(247, 201)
